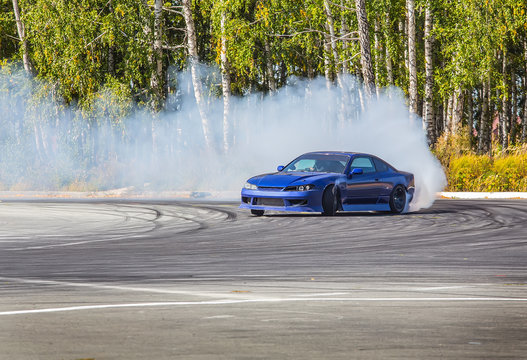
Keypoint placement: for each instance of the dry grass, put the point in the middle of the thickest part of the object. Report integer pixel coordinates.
(466, 171)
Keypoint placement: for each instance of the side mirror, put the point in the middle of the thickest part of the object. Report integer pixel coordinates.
(356, 171)
(280, 168)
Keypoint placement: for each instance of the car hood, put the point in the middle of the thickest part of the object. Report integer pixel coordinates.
(280, 179)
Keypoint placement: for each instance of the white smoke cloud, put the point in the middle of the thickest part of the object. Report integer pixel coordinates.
(168, 152)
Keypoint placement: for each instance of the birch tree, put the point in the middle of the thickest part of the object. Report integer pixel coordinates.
(344, 30)
(269, 67)
(505, 103)
(524, 120)
(412, 59)
(428, 107)
(226, 83)
(22, 37)
(158, 71)
(332, 38)
(365, 48)
(193, 60)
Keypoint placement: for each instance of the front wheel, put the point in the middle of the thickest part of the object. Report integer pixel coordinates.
(257, 212)
(329, 201)
(398, 199)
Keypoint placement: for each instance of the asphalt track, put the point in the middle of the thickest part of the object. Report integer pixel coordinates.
(173, 280)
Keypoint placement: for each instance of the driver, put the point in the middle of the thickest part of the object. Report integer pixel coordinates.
(320, 165)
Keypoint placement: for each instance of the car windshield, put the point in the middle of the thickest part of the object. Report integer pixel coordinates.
(318, 163)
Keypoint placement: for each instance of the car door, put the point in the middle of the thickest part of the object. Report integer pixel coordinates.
(361, 189)
(385, 182)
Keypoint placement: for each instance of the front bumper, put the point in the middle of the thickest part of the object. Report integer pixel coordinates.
(278, 200)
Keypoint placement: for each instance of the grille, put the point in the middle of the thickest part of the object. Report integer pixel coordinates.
(269, 202)
(271, 188)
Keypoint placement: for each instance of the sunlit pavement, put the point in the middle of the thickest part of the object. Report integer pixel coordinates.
(195, 280)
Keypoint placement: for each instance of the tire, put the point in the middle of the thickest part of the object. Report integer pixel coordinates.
(329, 201)
(257, 212)
(398, 199)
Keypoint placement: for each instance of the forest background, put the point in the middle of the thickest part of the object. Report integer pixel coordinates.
(462, 65)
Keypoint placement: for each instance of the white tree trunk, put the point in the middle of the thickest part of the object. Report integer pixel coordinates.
(269, 67)
(428, 111)
(327, 61)
(389, 64)
(485, 117)
(156, 80)
(22, 36)
(449, 115)
(377, 55)
(192, 48)
(524, 120)
(458, 100)
(342, 100)
(412, 60)
(504, 116)
(365, 48)
(513, 125)
(470, 115)
(333, 39)
(226, 86)
(403, 25)
(344, 29)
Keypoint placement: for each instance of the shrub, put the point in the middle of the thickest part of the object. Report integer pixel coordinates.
(468, 172)
(512, 173)
(465, 171)
(452, 146)
(482, 173)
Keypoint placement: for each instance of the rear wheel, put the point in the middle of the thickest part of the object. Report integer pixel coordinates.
(257, 212)
(398, 199)
(329, 201)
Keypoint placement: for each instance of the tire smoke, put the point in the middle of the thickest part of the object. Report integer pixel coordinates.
(45, 145)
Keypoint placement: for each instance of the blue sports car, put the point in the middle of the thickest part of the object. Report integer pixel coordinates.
(328, 182)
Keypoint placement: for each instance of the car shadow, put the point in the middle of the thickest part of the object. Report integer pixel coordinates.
(362, 213)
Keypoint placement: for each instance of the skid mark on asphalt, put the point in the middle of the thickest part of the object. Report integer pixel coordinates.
(137, 221)
(231, 302)
(123, 288)
(221, 298)
(324, 294)
(435, 288)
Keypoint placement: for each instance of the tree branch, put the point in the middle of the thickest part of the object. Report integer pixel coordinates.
(300, 33)
(13, 37)
(176, 28)
(173, 47)
(342, 6)
(94, 40)
(170, 9)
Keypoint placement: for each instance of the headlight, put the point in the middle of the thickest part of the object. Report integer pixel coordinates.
(300, 188)
(250, 186)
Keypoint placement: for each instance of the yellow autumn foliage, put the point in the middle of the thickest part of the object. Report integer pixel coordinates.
(467, 171)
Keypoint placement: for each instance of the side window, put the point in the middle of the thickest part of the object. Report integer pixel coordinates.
(364, 163)
(380, 165)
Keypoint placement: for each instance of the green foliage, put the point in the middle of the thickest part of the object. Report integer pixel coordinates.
(98, 58)
(8, 33)
(77, 45)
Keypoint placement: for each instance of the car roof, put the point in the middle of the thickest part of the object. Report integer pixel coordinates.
(350, 153)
